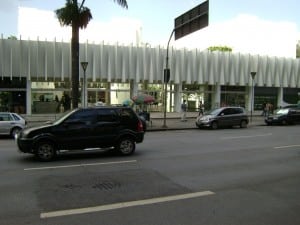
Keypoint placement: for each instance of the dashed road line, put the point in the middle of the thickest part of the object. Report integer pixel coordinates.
(120, 205)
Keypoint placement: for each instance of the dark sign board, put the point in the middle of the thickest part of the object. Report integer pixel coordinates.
(193, 20)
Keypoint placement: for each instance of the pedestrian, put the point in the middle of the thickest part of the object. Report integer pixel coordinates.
(183, 111)
(264, 109)
(201, 110)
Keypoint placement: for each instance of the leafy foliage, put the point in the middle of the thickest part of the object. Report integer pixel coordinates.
(220, 48)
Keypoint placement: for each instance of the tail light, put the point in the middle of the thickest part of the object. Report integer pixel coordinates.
(140, 127)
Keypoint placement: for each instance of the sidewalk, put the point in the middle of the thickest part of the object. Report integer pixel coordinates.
(173, 121)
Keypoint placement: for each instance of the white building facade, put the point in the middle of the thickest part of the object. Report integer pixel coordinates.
(36, 75)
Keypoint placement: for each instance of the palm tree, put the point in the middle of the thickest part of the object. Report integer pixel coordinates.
(77, 16)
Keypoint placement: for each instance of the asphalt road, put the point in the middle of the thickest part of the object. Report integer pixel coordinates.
(223, 177)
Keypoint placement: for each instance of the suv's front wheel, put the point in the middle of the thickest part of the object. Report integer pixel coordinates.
(126, 146)
(45, 151)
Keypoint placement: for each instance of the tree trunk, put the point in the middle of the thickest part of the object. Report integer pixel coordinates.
(75, 64)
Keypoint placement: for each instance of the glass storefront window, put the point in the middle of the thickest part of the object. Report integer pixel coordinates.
(50, 97)
(233, 96)
(197, 95)
(13, 94)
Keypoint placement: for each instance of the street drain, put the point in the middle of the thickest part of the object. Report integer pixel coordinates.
(107, 185)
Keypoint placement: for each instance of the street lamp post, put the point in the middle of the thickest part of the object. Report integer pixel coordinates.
(84, 66)
(252, 93)
(166, 80)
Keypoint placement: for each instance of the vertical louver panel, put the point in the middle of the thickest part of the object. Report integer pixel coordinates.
(132, 62)
(210, 70)
(277, 71)
(260, 80)
(16, 57)
(118, 61)
(287, 72)
(235, 68)
(146, 63)
(177, 68)
(268, 72)
(272, 69)
(125, 64)
(194, 66)
(172, 62)
(139, 64)
(223, 67)
(188, 67)
(292, 80)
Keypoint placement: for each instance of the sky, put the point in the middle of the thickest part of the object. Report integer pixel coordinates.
(253, 26)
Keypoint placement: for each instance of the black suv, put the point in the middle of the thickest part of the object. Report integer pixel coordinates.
(84, 129)
(223, 117)
(284, 116)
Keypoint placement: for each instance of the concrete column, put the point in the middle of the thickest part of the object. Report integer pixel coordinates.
(28, 98)
(280, 97)
(177, 97)
(216, 99)
(133, 88)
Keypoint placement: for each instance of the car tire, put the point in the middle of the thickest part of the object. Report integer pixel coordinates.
(284, 122)
(243, 124)
(15, 131)
(126, 146)
(45, 151)
(214, 125)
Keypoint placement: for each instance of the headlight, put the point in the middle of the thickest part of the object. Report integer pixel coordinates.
(205, 118)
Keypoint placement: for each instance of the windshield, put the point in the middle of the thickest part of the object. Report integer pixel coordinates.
(282, 111)
(63, 117)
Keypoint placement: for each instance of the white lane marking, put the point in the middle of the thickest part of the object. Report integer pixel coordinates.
(69, 212)
(286, 146)
(80, 165)
(249, 136)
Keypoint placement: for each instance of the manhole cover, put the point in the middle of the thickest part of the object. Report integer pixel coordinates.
(107, 185)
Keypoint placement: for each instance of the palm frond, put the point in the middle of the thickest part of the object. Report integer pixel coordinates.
(122, 3)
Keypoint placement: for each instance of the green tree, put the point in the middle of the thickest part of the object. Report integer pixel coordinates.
(12, 37)
(220, 48)
(77, 16)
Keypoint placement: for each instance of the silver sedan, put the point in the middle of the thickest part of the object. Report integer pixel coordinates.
(11, 123)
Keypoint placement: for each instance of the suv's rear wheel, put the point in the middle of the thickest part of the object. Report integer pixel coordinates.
(126, 146)
(45, 151)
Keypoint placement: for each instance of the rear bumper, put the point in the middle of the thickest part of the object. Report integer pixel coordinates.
(140, 137)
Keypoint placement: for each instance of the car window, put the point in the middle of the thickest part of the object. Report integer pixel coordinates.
(82, 116)
(237, 111)
(214, 112)
(5, 117)
(106, 115)
(126, 113)
(226, 112)
(15, 117)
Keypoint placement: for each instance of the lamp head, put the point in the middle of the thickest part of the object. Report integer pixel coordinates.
(253, 75)
(84, 65)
